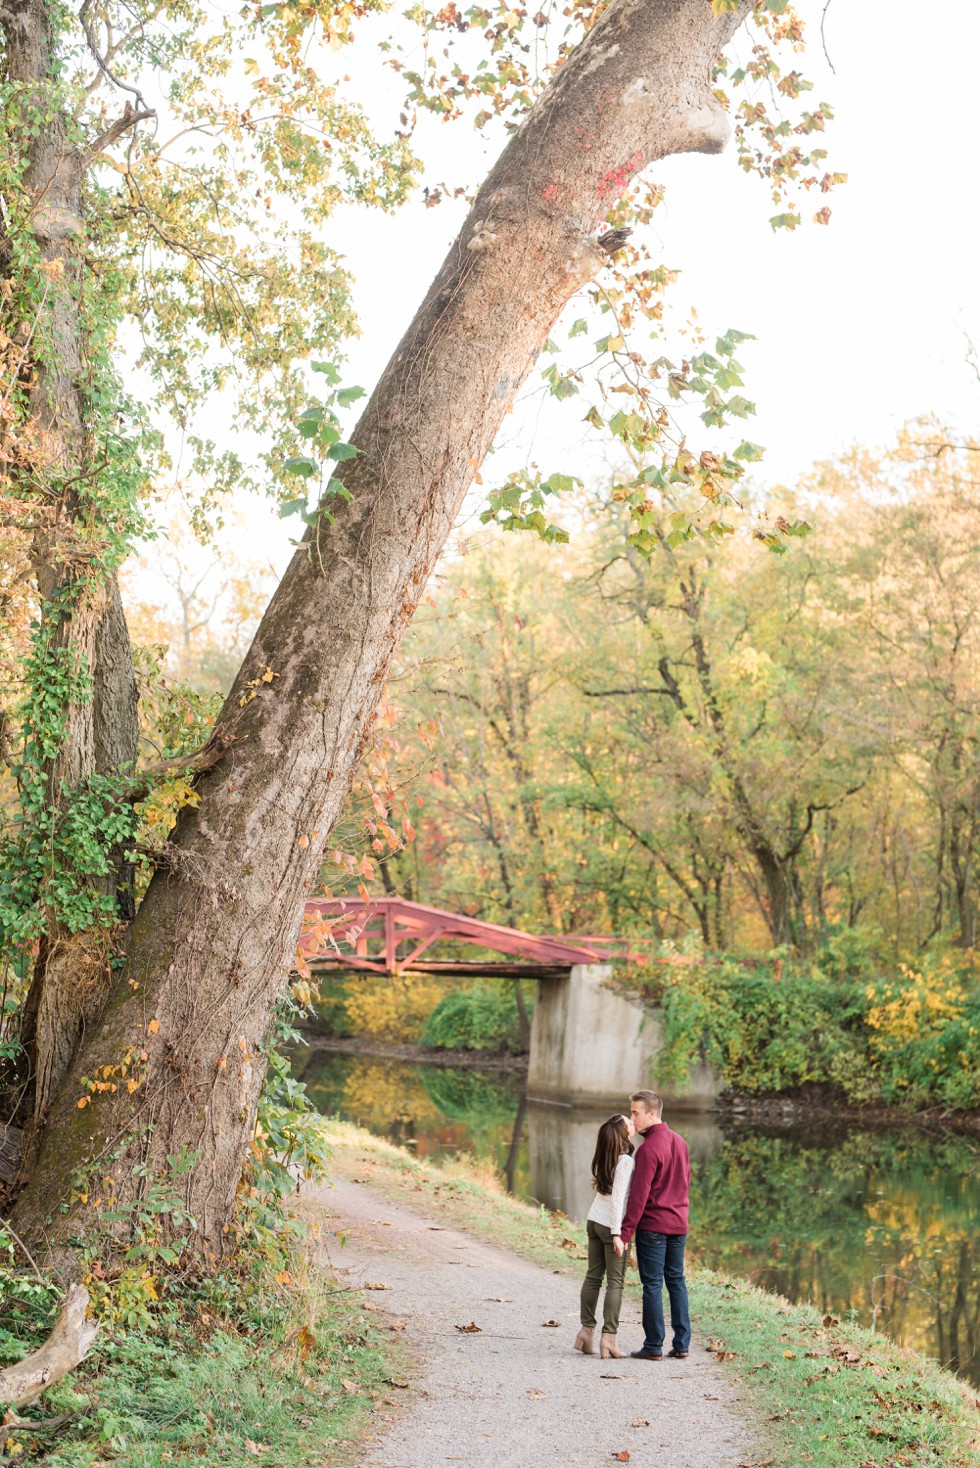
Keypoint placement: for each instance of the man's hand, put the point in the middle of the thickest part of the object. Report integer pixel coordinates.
(619, 1246)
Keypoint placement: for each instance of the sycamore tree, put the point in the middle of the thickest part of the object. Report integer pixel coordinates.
(168, 179)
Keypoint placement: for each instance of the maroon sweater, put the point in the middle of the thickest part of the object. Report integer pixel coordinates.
(661, 1185)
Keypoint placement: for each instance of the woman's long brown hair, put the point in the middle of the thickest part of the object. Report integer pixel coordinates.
(613, 1140)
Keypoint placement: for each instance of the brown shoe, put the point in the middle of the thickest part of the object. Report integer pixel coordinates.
(584, 1340)
(647, 1355)
(678, 1355)
(608, 1350)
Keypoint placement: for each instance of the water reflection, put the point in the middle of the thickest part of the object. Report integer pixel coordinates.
(884, 1224)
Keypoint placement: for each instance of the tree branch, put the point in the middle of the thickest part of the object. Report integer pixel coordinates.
(67, 1345)
(131, 117)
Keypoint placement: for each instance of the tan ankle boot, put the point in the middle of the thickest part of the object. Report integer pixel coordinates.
(608, 1350)
(584, 1340)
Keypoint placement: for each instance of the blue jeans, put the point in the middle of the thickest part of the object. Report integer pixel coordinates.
(660, 1260)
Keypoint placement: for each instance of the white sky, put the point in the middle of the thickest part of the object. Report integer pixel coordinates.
(859, 325)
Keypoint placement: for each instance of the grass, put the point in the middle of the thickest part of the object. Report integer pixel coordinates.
(825, 1393)
(280, 1368)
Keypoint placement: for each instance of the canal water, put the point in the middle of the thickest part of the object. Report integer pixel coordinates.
(882, 1226)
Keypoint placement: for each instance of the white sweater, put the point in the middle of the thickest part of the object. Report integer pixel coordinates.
(608, 1208)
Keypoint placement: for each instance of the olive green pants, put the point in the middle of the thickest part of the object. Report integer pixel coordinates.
(603, 1260)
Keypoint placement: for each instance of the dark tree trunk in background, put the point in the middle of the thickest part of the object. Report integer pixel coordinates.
(71, 974)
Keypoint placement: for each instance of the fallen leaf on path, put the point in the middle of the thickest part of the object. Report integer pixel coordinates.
(641, 1422)
(368, 1285)
(756, 1462)
(622, 1457)
(553, 1324)
(533, 1392)
(401, 1385)
(471, 1329)
(351, 1387)
(256, 1449)
(436, 1228)
(500, 1299)
(611, 1376)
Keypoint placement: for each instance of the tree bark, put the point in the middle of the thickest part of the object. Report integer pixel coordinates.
(210, 948)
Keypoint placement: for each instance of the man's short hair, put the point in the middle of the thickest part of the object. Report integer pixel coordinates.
(650, 1102)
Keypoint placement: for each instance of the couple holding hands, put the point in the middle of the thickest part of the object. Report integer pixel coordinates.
(645, 1197)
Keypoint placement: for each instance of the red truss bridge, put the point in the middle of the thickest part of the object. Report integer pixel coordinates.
(389, 935)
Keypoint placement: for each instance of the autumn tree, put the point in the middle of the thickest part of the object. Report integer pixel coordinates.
(761, 749)
(143, 1036)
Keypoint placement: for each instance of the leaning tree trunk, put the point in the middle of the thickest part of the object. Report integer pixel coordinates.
(81, 611)
(210, 950)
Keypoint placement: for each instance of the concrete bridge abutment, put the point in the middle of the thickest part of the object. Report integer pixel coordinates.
(590, 1045)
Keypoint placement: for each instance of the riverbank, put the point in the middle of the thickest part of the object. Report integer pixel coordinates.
(803, 1104)
(830, 1394)
(788, 1108)
(488, 1060)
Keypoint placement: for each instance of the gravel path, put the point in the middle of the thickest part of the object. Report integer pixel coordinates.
(514, 1394)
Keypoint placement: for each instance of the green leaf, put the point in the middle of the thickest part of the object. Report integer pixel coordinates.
(341, 452)
(329, 371)
(348, 395)
(579, 328)
(740, 407)
(561, 483)
(785, 221)
(292, 507)
(305, 467)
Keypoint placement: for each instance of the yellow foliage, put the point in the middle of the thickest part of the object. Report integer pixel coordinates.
(392, 1008)
(914, 1006)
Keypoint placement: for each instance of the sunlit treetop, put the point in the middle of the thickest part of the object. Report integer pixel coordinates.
(208, 219)
(485, 65)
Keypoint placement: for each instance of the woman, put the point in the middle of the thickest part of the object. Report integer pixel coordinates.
(612, 1172)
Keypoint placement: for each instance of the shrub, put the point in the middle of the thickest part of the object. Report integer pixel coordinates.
(392, 1008)
(479, 1018)
(911, 1037)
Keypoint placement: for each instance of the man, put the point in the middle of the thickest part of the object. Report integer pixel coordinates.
(657, 1213)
